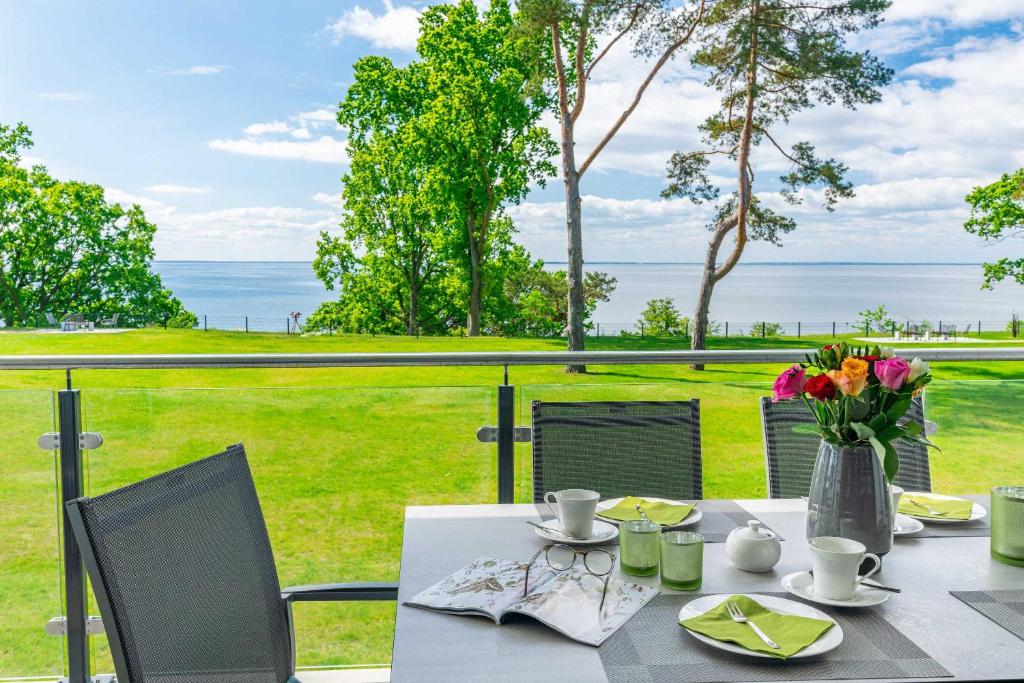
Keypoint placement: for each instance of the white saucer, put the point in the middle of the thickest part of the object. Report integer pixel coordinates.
(801, 584)
(906, 524)
(603, 533)
(692, 518)
(977, 511)
(829, 641)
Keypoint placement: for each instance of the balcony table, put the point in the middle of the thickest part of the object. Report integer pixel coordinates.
(438, 540)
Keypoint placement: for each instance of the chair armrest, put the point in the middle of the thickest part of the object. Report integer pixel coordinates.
(341, 591)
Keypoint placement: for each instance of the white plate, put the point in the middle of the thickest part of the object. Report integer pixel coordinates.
(977, 511)
(691, 518)
(801, 584)
(906, 525)
(829, 641)
(603, 533)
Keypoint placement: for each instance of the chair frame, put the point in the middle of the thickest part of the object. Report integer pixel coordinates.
(333, 592)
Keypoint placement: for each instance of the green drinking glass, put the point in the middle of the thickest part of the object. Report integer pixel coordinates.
(638, 547)
(682, 560)
(1007, 532)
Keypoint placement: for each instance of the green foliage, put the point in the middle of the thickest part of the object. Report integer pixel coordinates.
(182, 319)
(65, 250)
(540, 299)
(997, 212)
(876, 319)
(765, 329)
(661, 318)
(438, 149)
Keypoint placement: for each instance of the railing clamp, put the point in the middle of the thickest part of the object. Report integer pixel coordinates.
(87, 441)
(58, 626)
(490, 434)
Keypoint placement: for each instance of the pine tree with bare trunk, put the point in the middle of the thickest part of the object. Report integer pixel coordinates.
(771, 59)
(657, 29)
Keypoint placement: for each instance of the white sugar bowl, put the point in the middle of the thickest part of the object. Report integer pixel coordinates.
(753, 548)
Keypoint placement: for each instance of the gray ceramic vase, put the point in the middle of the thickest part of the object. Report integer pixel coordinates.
(849, 497)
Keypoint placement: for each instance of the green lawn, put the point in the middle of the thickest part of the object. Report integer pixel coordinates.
(338, 453)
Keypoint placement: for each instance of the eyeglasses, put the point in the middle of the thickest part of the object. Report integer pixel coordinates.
(560, 557)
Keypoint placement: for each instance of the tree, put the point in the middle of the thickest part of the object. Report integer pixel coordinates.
(997, 212)
(392, 261)
(65, 249)
(771, 59)
(661, 318)
(658, 29)
(481, 121)
(540, 300)
(876, 319)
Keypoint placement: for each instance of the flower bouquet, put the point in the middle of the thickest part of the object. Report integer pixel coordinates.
(858, 397)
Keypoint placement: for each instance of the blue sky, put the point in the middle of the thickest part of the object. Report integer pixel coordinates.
(218, 119)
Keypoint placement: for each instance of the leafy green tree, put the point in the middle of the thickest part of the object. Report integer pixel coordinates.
(658, 29)
(64, 249)
(540, 298)
(661, 318)
(770, 59)
(877, 319)
(997, 212)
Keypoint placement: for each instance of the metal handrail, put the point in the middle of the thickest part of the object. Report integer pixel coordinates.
(471, 358)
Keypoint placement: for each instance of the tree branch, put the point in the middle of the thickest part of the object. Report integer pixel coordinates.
(600, 56)
(669, 51)
(581, 52)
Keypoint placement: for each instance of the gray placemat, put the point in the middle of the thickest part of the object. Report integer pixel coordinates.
(1005, 607)
(719, 517)
(652, 647)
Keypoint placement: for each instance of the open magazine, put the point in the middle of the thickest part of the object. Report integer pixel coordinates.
(567, 601)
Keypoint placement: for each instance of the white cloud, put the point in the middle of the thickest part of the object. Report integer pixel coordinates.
(268, 139)
(198, 70)
(64, 96)
(177, 189)
(960, 13)
(324, 149)
(396, 28)
(328, 198)
(257, 129)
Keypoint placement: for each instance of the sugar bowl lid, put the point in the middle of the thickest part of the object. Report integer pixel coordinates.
(754, 531)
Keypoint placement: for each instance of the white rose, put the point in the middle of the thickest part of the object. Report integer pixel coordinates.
(918, 367)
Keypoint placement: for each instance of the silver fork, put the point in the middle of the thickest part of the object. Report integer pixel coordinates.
(929, 508)
(737, 615)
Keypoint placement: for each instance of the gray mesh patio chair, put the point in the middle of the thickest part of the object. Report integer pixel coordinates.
(184, 576)
(618, 448)
(789, 457)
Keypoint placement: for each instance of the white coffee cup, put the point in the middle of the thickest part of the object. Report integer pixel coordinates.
(575, 509)
(836, 561)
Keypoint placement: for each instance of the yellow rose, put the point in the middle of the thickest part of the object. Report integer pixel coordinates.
(847, 384)
(855, 368)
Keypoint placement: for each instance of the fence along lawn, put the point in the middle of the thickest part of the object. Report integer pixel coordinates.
(338, 453)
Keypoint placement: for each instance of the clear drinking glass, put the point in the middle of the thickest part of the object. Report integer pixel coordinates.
(1007, 533)
(638, 547)
(682, 560)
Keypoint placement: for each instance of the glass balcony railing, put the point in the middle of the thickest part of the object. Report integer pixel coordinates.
(30, 554)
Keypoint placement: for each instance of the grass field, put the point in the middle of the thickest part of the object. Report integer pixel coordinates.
(338, 453)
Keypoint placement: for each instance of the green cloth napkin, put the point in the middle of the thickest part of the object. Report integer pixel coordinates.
(791, 632)
(665, 514)
(955, 509)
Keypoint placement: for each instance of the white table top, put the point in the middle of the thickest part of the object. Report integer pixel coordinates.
(430, 646)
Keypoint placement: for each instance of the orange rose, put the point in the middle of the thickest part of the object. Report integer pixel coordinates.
(847, 382)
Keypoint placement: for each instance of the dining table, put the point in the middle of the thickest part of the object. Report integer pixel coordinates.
(929, 631)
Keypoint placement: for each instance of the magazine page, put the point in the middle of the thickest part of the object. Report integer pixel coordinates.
(486, 586)
(569, 603)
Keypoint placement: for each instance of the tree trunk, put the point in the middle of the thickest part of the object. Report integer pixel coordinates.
(412, 315)
(574, 270)
(473, 316)
(698, 335)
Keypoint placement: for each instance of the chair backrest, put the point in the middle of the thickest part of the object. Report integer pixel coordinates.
(618, 448)
(789, 457)
(184, 576)
(51, 320)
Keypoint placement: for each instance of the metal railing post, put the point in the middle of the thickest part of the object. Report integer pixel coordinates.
(506, 442)
(69, 410)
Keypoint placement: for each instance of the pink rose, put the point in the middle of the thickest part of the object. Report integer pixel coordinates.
(892, 372)
(789, 384)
